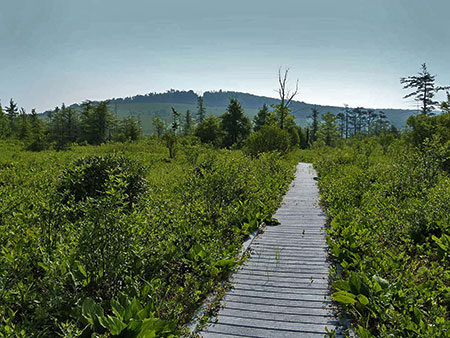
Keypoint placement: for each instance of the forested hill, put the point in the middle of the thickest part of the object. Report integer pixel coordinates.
(159, 104)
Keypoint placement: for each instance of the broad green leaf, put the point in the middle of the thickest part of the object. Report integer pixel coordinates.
(113, 324)
(91, 311)
(117, 308)
(344, 297)
(363, 300)
(341, 285)
(355, 283)
(383, 282)
(132, 310)
(81, 269)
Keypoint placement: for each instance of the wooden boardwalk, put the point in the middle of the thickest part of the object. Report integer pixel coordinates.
(282, 290)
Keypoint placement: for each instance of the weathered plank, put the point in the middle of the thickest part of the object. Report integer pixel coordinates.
(283, 289)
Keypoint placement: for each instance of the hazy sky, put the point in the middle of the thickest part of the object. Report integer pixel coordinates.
(348, 51)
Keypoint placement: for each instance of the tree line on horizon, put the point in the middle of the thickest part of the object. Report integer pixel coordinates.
(272, 129)
(92, 124)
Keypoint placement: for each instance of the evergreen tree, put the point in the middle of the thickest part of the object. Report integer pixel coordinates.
(64, 126)
(381, 125)
(23, 127)
(424, 89)
(101, 123)
(209, 130)
(445, 106)
(97, 122)
(361, 119)
(11, 111)
(371, 117)
(87, 127)
(201, 111)
(259, 120)
(314, 124)
(128, 129)
(308, 137)
(328, 130)
(188, 123)
(235, 124)
(303, 142)
(71, 124)
(158, 125)
(341, 123)
(347, 121)
(4, 124)
(37, 132)
(171, 141)
(175, 120)
(352, 121)
(294, 137)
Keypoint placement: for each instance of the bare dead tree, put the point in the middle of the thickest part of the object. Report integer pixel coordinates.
(286, 96)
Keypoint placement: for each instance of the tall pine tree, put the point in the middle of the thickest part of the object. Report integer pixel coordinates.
(188, 123)
(314, 124)
(259, 120)
(424, 89)
(201, 111)
(4, 124)
(23, 126)
(235, 124)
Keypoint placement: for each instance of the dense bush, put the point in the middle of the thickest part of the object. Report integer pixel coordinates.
(389, 232)
(93, 177)
(268, 139)
(103, 246)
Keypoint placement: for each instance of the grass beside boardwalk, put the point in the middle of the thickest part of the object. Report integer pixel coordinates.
(114, 263)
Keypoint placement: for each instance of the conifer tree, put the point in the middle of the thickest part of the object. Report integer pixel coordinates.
(175, 120)
(235, 124)
(4, 124)
(314, 124)
(209, 131)
(128, 129)
(12, 113)
(201, 111)
(445, 106)
(87, 128)
(11, 110)
(97, 122)
(101, 123)
(424, 89)
(23, 128)
(37, 132)
(259, 120)
(328, 129)
(188, 123)
(158, 126)
(341, 123)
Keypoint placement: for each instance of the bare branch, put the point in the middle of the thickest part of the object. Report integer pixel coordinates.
(286, 95)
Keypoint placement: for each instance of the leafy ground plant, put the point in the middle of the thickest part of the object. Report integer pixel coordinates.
(389, 232)
(114, 240)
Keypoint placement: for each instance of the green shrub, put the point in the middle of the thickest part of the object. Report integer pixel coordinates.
(267, 139)
(390, 234)
(69, 233)
(91, 177)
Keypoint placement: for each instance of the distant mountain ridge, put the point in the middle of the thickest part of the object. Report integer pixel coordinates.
(147, 106)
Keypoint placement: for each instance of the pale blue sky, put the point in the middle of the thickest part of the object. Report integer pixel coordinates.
(348, 51)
